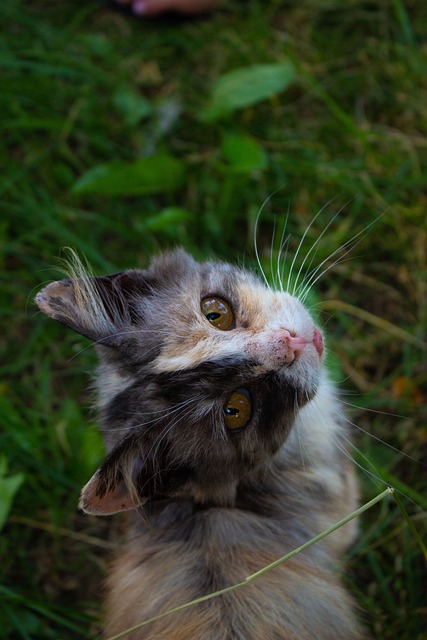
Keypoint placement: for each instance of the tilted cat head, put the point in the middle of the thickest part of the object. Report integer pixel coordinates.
(203, 370)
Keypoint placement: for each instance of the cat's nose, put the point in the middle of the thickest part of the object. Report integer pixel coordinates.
(294, 343)
(280, 347)
(290, 344)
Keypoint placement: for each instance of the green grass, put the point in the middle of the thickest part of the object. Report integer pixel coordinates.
(82, 86)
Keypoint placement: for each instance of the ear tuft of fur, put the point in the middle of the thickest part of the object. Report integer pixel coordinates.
(102, 308)
(100, 500)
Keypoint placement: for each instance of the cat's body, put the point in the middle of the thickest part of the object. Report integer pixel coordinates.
(219, 418)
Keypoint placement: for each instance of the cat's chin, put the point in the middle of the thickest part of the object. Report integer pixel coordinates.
(302, 384)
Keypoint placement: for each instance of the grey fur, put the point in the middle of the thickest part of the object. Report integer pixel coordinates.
(217, 504)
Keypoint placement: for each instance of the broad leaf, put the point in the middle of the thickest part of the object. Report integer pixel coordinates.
(156, 174)
(243, 154)
(132, 106)
(247, 86)
(166, 220)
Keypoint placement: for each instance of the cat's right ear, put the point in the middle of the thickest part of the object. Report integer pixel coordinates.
(105, 309)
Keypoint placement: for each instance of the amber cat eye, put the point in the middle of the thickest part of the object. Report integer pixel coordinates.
(218, 312)
(238, 410)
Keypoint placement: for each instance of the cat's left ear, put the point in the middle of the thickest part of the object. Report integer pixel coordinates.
(110, 488)
(129, 477)
(102, 308)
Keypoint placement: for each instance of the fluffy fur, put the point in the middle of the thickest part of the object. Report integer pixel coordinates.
(218, 504)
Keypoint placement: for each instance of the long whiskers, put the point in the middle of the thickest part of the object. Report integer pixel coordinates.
(154, 449)
(273, 237)
(386, 444)
(288, 286)
(138, 331)
(316, 244)
(284, 243)
(373, 475)
(348, 246)
(255, 239)
(161, 415)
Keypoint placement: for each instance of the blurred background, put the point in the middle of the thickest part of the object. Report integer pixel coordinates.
(121, 137)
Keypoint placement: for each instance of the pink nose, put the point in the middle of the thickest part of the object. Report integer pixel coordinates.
(294, 344)
(289, 345)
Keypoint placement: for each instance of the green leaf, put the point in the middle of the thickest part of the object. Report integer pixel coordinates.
(8, 488)
(167, 219)
(243, 154)
(156, 174)
(247, 86)
(132, 107)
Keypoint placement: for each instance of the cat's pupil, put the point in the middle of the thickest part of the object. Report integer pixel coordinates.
(218, 312)
(238, 410)
(213, 316)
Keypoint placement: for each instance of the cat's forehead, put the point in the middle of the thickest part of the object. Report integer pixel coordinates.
(253, 303)
(179, 279)
(180, 275)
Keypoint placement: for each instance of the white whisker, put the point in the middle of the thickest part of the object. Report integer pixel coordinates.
(273, 238)
(139, 331)
(258, 260)
(161, 415)
(374, 475)
(382, 413)
(256, 244)
(315, 245)
(386, 444)
(302, 242)
(284, 242)
(349, 246)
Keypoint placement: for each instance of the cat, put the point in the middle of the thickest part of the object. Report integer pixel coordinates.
(223, 435)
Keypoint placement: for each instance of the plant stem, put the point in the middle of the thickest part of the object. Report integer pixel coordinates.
(258, 574)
